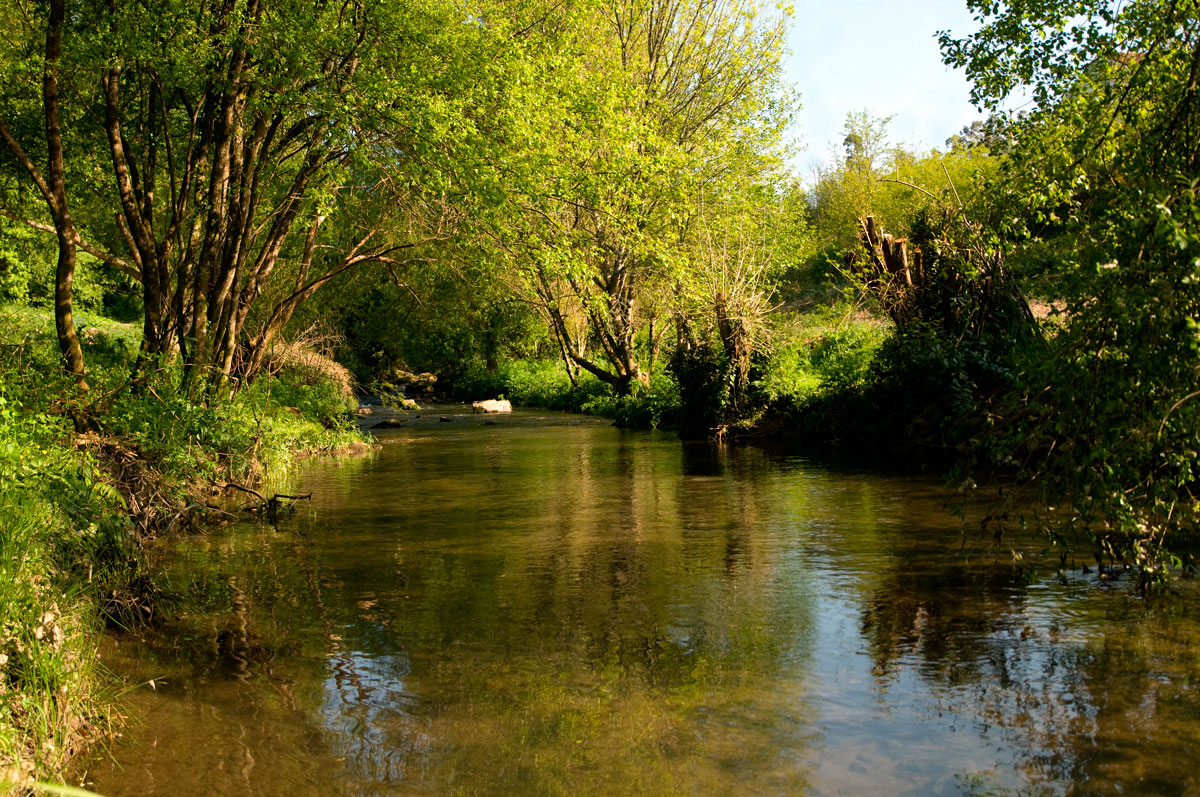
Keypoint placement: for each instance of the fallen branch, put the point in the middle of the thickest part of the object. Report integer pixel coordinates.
(270, 506)
(250, 490)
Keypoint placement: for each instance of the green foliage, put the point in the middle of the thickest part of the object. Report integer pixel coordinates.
(65, 547)
(850, 187)
(264, 425)
(705, 377)
(1100, 190)
(26, 262)
(842, 358)
(1110, 419)
(656, 405)
(922, 397)
(831, 350)
(603, 225)
(533, 383)
(446, 319)
(321, 400)
(889, 183)
(544, 383)
(69, 552)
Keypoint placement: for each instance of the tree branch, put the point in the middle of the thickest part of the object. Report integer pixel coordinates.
(122, 265)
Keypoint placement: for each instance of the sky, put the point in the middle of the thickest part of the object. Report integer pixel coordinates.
(881, 56)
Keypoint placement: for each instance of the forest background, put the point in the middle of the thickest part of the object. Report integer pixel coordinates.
(221, 221)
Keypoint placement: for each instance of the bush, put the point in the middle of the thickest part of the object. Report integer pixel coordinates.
(322, 400)
(923, 395)
(832, 354)
(544, 383)
(657, 405)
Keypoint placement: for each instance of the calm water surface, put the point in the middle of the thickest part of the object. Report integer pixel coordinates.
(554, 606)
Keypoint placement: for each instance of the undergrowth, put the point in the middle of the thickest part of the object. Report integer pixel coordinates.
(545, 384)
(821, 351)
(76, 508)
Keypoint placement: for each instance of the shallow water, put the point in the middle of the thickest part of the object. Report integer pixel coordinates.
(548, 605)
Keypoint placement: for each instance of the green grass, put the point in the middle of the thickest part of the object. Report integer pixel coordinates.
(830, 348)
(545, 384)
(74, 509)
(532, 383)
(61, 536)
(827, 349)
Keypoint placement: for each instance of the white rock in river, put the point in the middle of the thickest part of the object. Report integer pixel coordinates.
(491, 405)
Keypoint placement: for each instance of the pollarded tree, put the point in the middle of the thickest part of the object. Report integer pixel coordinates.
(735, 258)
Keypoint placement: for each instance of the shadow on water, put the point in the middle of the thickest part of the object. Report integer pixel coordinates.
(551, 606)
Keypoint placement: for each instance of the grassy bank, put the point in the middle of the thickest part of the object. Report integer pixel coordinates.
(824, 351)
(76, 507)
(545, 384)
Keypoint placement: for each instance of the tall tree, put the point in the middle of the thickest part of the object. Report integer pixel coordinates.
(52, 186)
(652, 93)
(235, 146)
(1101, 186)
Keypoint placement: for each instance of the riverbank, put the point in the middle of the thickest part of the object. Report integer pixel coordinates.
(85, 481)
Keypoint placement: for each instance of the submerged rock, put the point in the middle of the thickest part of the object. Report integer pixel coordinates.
(491, 405)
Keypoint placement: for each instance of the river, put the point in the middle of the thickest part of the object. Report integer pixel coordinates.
(543, 604)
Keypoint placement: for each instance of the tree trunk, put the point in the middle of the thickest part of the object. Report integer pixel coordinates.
(64, 320)
(64, 273)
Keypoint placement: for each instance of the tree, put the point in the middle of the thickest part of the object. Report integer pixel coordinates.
(52, 186)
(651, 97)
(1101, 187)
(737, 246)
(245, 153)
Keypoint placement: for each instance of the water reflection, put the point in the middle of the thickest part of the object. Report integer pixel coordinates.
(532, 608)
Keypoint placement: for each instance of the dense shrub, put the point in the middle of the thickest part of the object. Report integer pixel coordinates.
(531, 383)
(924, 394)
(829, 354)
(64, 542)
(322, 400)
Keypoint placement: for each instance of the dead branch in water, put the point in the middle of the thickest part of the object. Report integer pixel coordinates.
(271, 507)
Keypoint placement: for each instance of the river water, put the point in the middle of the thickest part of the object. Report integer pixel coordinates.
(543, 604)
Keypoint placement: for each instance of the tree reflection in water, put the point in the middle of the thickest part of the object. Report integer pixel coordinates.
(578, 609)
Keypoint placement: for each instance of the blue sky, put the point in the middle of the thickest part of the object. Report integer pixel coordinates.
(881, 56)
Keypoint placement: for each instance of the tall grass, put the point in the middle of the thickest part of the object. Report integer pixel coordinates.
(63, 545)
(830, 348)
